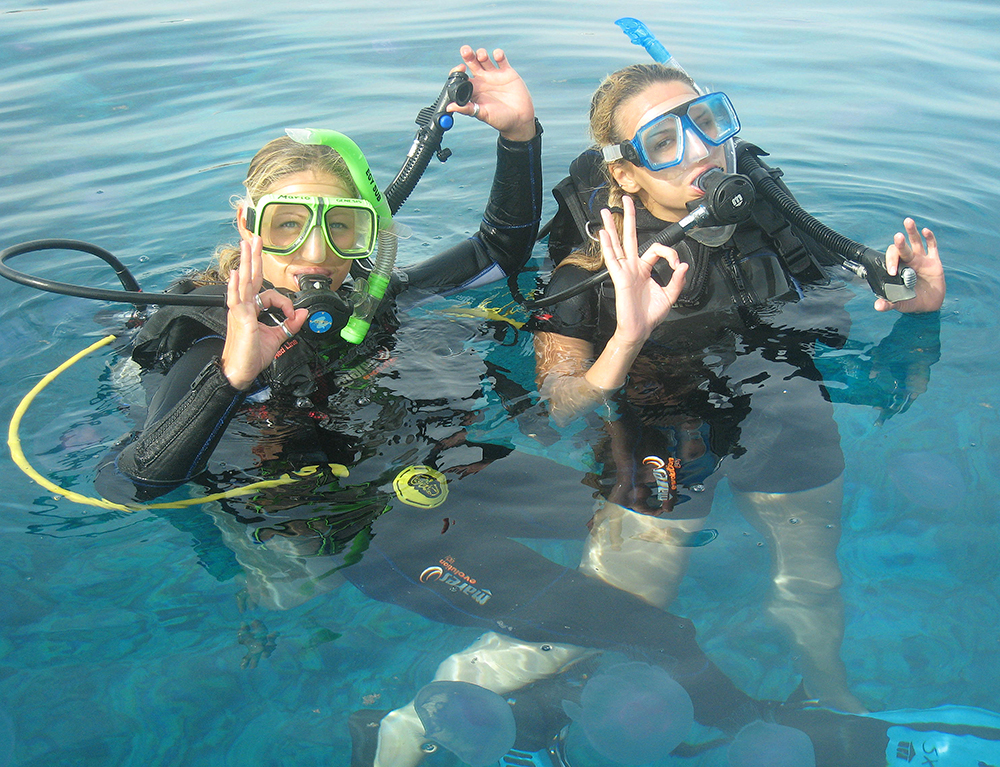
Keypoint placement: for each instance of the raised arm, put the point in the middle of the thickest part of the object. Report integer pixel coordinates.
(509, 226)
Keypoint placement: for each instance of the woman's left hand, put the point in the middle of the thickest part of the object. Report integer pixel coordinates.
(909, 250)
(641, 303)
(250, 344)
(500, 98)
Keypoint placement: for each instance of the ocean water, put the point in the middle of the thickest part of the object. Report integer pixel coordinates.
(129, 126)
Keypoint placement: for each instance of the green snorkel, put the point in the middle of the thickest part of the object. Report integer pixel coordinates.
(367, 292)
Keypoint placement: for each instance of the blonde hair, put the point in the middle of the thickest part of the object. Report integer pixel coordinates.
(276, 160)
(605, 129)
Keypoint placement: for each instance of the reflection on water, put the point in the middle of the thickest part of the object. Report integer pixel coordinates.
(123, 635)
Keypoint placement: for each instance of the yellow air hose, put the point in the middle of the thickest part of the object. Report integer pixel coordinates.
(14, 442)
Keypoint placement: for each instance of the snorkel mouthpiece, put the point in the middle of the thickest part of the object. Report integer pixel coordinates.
(368, 293)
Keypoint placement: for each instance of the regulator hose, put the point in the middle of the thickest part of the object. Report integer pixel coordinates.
(131, 294)
(860, 259)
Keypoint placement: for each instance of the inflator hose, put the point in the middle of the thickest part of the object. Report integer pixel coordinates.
(769, 189)
(401, 186)
(433, 121)
(852, 253)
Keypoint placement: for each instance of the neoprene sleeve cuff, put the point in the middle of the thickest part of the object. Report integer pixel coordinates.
(178, 446)
(514, 210)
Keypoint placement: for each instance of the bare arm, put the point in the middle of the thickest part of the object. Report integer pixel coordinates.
(568, 375)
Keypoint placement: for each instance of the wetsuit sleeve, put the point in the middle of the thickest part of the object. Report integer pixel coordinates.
(576, 316)
(508, 229)
(187, 417)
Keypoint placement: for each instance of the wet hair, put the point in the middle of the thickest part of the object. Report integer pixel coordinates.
(606, 129)
(276, 160)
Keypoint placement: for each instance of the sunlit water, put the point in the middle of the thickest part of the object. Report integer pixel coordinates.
(129, 125)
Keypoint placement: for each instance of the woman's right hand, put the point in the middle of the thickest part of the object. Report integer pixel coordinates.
(500, 97)
(641, 302)
(250, 344)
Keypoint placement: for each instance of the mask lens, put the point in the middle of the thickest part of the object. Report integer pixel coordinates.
(711, 118)
(660, 141)
(350, 230)
(714, 118)
(284, 225)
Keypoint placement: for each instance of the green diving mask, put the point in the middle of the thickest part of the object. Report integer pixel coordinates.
(284, 221)
(368, 291)
(661, 142)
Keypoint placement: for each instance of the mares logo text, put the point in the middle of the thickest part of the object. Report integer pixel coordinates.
(445, 572)
(665, 474)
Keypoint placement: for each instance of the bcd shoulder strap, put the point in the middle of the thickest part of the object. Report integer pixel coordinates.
(580, 197)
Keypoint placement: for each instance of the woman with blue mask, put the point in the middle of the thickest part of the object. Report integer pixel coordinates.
(703, 355)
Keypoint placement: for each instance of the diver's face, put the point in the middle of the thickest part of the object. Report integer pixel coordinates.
(314, 256)
(666, 192)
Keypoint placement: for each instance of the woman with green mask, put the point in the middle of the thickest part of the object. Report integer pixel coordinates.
(312, 217)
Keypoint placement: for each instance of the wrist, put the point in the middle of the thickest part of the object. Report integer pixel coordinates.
(523, 132)
(234, 374)
(611, 369)
(623, 342)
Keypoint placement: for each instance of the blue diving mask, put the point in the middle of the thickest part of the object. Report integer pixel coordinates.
(662, 142)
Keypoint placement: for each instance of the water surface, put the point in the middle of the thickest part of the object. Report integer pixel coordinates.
(129, 125)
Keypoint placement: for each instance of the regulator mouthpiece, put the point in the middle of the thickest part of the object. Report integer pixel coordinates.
(328, 312)
(729, 197)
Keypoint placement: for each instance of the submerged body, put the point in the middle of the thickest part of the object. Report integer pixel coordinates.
(703, 359)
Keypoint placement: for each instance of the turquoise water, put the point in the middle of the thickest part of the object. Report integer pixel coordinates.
(129, 125)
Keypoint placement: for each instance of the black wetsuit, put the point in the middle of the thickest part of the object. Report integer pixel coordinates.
(729, 379)
(313, 412)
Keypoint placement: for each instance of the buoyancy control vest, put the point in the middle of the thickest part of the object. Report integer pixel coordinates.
(172, 330)
(584, 192)
(766, 261)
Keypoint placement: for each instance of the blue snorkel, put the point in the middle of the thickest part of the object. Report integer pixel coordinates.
(367, 292)
(639, 34)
